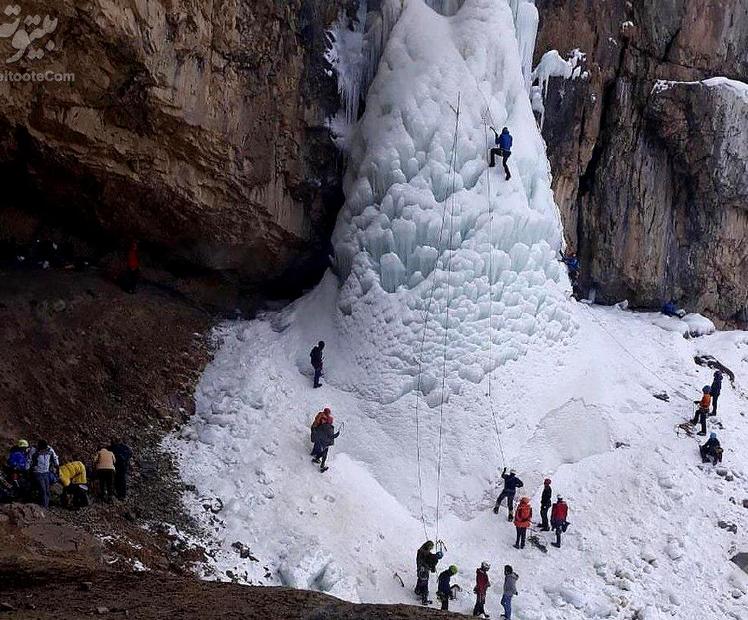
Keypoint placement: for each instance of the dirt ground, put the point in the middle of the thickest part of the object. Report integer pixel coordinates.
(82, 362)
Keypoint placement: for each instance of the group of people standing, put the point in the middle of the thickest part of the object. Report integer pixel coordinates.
(522, 518)
(31, 471)
(707, 406)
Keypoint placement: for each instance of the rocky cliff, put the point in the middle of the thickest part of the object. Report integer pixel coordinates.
(198, 127)
(652, 178)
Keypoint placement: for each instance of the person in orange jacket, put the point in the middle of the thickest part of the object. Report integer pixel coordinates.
(522, 520)
(703, 409)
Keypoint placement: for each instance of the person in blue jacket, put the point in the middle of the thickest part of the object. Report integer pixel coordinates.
(504, 148)
(511, 484)
(444, 589)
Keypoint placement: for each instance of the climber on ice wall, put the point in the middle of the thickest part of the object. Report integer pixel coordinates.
(503, 148)
(511, 484)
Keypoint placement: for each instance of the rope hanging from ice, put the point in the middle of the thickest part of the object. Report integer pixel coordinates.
(453, 165)
(490, 301)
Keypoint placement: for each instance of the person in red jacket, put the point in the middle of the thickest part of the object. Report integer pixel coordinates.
(481, 585)
(132, 273)
(559, 512)
(522, 520)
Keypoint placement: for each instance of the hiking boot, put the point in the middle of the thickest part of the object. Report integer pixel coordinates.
(315, 460)
(496, 510)
(510, 517)
(323, 469)
(516, 546)
(557, 545)
(508, 176)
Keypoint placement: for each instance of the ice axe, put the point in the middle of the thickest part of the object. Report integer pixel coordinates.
(399, 578)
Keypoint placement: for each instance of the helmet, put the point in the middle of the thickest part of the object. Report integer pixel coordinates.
(453, 569)
(712, 435)
(485, 565)
(706, 389)
(547, 481)
(22, 443)
(512, 472)
(559, 498)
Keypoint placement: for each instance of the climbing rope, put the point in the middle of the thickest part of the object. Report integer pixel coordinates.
(675, 391)
(453, 165)
(490, 303)
(426, 316)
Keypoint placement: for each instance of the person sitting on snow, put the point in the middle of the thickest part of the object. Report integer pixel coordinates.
(425, 565)
(504, 148)
(711, 450)
(703, 409)
(671, 309)
(511, 484)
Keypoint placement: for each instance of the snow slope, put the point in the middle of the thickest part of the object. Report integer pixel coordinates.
(456, 274)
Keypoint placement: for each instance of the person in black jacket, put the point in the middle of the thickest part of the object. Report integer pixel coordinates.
(123, 454)
(716, 390)
(317, 360)
(511, 484)
(545, 504)
(425, 565)
(325, 437)
(444, 587)
(711, 450)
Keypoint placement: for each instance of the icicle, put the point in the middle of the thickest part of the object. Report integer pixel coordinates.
(446, 7)
(526, 27)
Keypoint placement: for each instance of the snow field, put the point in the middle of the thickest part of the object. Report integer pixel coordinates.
(432, 247)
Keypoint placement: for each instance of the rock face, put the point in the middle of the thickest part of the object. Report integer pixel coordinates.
(198, 127)
(652, 181)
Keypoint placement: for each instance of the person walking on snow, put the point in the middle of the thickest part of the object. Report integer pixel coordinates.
(711, 450)
(482, 584)
(511, 484)
(444, 586)
(503, 148)
(703, 409)
(510, 590)
(323, 416)
(425, 565)
(317, 359)
(716, 390)
(522, 520)
(326, 437)
(558, 519)
(545, 504)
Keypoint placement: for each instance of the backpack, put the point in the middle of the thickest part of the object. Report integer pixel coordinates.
(17, 460)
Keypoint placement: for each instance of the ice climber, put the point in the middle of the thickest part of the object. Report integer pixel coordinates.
(572, 264)
(510, 590)
(324, 437)
(482, 584)
(545, 504)
(503, 148)
(317, 360)
(444, 587)
(558, 519)
(711, 450)
(522, 521)
(670, 308)
(716, 390)
(426, 562)
(511, 484)
(703, 409)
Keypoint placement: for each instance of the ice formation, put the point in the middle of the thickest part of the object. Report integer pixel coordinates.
(570, 401)
(553, 65)
(419, 221)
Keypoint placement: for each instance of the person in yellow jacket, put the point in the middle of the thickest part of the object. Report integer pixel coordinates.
(74, 485)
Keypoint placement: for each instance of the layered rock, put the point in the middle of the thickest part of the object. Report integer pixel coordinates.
(652, 183)
(197, 127)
